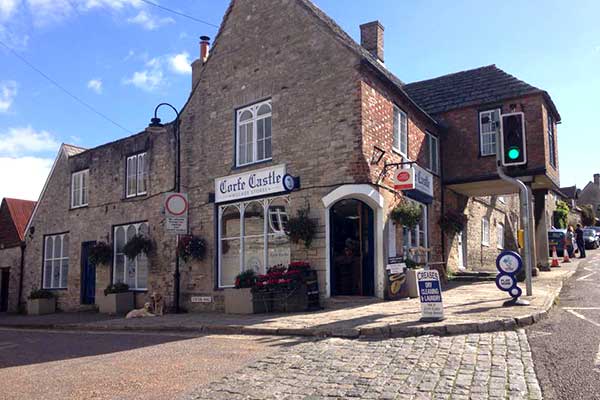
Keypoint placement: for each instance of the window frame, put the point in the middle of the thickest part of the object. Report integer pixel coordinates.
(407, 234)
(253, 109)
(500, 235)
(266, 203)
(400, 112)
(125, 226)
(429, 139)
(59, 259)
(83, 190)
(481, 133)
(139, 175)
(551, 140)
(485, 231)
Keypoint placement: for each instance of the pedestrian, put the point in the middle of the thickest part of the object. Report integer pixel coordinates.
(569, 241)
(580, 241)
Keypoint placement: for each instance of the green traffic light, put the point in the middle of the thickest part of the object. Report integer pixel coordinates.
(514, 153)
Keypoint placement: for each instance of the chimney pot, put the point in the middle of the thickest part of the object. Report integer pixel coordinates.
(371, 38)
(204, 47)
(597, 179)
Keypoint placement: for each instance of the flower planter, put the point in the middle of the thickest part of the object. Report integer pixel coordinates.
(411, 283)
(115, 303)
(41, 306)
(239, 301)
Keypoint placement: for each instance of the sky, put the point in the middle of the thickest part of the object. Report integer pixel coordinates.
(123, 57)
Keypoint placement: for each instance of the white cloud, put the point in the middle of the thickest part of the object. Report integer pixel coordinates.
(20, 141)
(45, 12)
(7, 8)
(148, 79)
(27, 178)
(8, 92)
(95, 85)
(180, 63)
(149, 21)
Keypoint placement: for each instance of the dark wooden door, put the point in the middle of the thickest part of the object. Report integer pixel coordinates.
(4, 278)
(88, 275)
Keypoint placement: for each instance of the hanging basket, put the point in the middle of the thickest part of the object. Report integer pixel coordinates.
(100, 254)
(191, 248)
(407, 214)
(137, 245)
(301, 228)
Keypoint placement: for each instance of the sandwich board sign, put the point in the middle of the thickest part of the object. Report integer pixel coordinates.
(176, 213)
(430, 295)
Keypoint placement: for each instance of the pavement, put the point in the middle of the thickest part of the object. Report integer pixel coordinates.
(468, 308)
(566, 345)
(59, 365)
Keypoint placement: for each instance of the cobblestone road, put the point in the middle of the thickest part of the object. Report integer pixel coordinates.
(477, 366)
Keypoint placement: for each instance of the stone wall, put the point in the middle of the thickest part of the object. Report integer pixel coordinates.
(107, 207)
(10, 259)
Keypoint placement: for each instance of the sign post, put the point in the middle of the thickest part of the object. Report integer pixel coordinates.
(430, 295)
(176, 213)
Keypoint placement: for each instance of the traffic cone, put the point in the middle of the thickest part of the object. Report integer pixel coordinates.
(554, 258)
(566, 258)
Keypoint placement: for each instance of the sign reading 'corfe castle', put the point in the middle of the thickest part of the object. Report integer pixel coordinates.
(254, 183)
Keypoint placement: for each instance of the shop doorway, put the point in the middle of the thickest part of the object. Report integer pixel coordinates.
(88, 275)
(352, 249)
(4, 278)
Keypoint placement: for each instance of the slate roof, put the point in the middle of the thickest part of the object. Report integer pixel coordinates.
(482, 85)
(15, 214)
(73, 150)
(570, 191)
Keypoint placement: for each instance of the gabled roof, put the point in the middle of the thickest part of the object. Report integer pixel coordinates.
(570, 192)
(20, 211)
(482, 85)
(72, 150)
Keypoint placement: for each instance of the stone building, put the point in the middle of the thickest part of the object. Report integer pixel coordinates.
(14, 214)
(106, 194)
(288, 114)
(590, 194)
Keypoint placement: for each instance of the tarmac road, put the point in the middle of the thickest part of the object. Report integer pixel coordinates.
(566, 345)
(104, 365)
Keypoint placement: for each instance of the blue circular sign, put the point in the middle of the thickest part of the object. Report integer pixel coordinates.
(288, 182)
(509, 262)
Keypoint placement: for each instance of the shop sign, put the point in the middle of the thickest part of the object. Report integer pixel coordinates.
(430, 294)
(176, 213)
(254, 183)
(414, 178)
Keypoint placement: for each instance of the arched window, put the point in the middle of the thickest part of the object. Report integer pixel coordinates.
(56, 261)
(132, 272)
(254, 133)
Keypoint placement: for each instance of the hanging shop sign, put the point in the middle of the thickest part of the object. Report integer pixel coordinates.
(414, 179)
(259, 182)
(176, 213)
(430, 294)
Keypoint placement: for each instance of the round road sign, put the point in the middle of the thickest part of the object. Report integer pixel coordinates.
(509, 262)
(176, 204)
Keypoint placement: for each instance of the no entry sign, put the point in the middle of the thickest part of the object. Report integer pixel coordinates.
(176, 213)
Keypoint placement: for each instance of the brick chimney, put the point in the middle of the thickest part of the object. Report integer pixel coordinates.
(371, 38)
(198, 63)
(597, 180)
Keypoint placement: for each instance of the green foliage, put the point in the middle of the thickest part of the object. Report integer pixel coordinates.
(246, 279)
(118, 287)
(137, 245)
(588, 216)
(191, 247)
(561, 215)
(100, 253)
(406, 214)
(453, 221)
(41, 294)
(301, 227)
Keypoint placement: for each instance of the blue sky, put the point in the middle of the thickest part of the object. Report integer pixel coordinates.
(124, 56)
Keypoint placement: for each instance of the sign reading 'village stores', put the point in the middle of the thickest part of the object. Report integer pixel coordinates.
(254, 183)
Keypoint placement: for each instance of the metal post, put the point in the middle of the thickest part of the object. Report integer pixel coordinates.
(525, 208)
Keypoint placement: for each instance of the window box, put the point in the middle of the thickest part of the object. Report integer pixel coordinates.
(41, 306)
(115, 303)
(239, 301)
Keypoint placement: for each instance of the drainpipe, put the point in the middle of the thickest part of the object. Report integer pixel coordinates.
(22, 269)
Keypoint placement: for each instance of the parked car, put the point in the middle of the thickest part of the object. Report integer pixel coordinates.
(591, 239)
(595, 228)
(556, 237)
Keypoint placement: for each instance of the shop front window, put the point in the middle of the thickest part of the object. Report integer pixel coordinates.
(252, 236)
(416, 237)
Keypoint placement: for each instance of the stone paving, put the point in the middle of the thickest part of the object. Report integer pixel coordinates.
(476, 366)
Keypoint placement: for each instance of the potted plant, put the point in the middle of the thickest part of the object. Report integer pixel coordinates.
(100, 254)
(41, 302)
(137, 245)
(406, 214)
(191, 248)
(117, 299)
(238, 300)
(301, 228)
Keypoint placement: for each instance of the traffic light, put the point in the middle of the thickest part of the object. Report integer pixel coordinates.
(513, 143)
